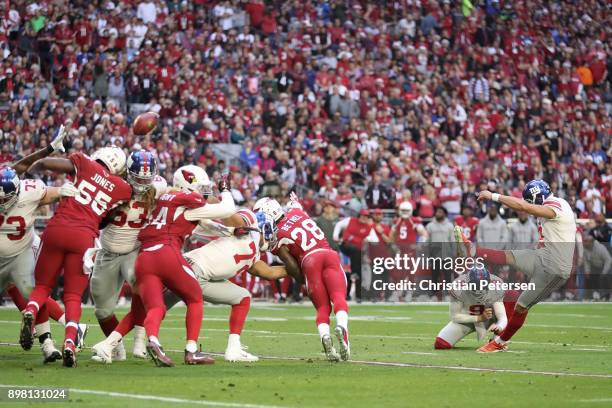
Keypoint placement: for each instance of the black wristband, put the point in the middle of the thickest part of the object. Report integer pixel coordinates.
(50, 149)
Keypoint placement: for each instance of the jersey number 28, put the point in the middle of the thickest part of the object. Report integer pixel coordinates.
(300, 234)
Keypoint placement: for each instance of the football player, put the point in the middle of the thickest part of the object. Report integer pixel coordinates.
(477, 310)
(19, 244)
(71, 231)
(160, 262)
(548, 267)
(237, 249)
(301, 239)
(114, 261)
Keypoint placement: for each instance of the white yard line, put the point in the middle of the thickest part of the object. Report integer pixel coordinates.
(588, 349)
(420, 353)
(596, 400)
(148, 397)
(411, 365)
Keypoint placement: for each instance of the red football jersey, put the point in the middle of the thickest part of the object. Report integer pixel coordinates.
(168, 224)
(300, 234)
(406, 230)
(468, 225)
(99, 192)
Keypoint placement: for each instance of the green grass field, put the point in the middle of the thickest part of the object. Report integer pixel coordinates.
(562, 357)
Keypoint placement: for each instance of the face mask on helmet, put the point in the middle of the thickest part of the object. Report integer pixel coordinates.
(142, 168)
(9, 189)
(268, 230)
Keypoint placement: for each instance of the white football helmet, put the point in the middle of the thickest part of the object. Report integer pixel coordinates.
(192, 178)
(113, 158)
(405, 210)
(271, 207)
(160, 185)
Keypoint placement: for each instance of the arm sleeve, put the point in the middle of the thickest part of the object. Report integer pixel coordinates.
(339, 227)
(209, 228)
(223, 209)
(500, 314)
(457, 316)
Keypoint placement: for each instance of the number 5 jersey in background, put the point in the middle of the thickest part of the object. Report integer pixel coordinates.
(99, 193)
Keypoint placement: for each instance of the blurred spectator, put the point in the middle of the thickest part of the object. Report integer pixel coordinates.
(492, 229)
(597, 268)
(523, 234)
(327, 222)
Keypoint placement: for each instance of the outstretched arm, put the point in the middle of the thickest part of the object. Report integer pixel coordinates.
(57, 144)
(54, 194)
(263, 270)
(223, 209)
(519, 205)
(56, 164)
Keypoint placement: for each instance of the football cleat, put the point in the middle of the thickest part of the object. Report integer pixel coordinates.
(156, 352)
(69, 354)
(239, 354)
(102, 352)
(119, 353)
(50, 353)
(81, 334)
(26, 335)
(343, 343)
(328, 348)
(464, 245)
(492, 347)
(197, 358)
(140, 345)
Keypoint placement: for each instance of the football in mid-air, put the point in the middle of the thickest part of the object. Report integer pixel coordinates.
(145, 123)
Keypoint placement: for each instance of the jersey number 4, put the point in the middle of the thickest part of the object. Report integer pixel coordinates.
(300, 234)
(89, 195)
(20, 227)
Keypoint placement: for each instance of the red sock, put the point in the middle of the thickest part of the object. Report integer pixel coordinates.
(42, 315)
(17, 298)
(491, 256)
(238, 315)
(442, 344)
(72, 301)
(515, 323)
(38, 297)
(138, 310)
(71, 332)
(55, 310)
(285, 286)
(108, 325)
(193, 320)
(153, 320)
(126, 324)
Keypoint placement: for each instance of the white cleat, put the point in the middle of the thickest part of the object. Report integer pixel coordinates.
(103, 352)
(239, 354)
(140, 343)
(343, 343)
(119, 353)
(81, 334)
(50, 352)
(328, 348)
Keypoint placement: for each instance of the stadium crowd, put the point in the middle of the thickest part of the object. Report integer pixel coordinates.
(363, 104)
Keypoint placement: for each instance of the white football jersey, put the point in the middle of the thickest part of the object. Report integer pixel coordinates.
(473, 304)
(121, 235)
(16, 226)
(225, 257)
(559, 235)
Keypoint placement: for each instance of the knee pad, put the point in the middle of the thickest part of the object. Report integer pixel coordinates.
(442, 344)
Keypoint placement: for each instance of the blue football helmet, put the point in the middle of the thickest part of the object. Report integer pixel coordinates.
(267, 227)
(9, 188)
(141, 169)
(475, 276)
(536, 191)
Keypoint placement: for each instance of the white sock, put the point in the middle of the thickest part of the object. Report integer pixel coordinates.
(498, 340)
(114, 338)
(233, 341)
(43, 328)
(342, 319)
(323, 329)
(62, 320)
(139, 333)
(191, 346)
(155, 340)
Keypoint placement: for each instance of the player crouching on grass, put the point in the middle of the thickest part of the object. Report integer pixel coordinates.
(481, 311)
(548, 267)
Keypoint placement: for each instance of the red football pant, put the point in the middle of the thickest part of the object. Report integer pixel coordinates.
(62, 248)
(167, 267)
(326, 283)
(52, 309)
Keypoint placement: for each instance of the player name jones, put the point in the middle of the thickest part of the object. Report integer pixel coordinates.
(102, 182)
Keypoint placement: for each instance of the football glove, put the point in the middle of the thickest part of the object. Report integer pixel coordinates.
(225, 183)
(57, 144)
(68, 190)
